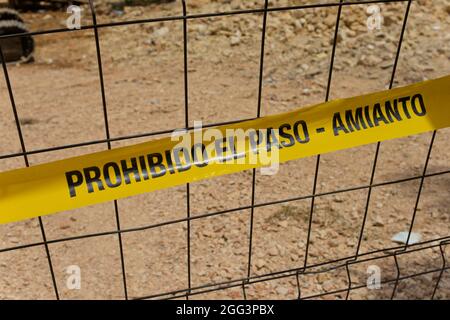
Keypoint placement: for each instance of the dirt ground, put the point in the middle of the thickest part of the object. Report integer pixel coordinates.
(59, 103)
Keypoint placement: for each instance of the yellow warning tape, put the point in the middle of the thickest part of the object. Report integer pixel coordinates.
(201, 154)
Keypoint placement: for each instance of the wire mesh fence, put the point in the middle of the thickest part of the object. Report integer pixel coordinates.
(342, 264)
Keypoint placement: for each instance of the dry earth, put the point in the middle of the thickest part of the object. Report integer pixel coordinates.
(59, 103)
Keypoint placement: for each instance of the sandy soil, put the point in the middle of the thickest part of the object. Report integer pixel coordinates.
(59, 103)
